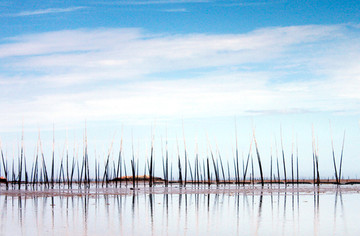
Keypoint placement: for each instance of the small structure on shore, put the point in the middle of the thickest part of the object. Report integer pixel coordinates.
(3, 180)
(138, 178)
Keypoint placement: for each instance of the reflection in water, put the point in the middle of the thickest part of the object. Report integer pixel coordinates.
(264, 213)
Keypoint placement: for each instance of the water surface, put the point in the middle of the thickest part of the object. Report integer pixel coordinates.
(226, 210)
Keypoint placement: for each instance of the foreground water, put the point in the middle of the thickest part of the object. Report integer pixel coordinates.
(203, 210)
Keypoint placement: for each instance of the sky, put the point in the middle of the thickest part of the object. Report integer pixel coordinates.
(176, 68)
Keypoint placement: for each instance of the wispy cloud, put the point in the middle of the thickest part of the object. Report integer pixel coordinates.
(249, 3)
(175, 10)
(159, 2)
(131, 74)
(47, 11)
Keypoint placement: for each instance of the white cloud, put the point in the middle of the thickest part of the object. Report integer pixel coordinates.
(114, 74)
(113, 53)
(47, 11)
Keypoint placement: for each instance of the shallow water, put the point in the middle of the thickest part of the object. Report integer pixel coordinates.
(228, 210)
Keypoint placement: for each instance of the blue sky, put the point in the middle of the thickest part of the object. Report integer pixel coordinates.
(132, 64)
(19, 17)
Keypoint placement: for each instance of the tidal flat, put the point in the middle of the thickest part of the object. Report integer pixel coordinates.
(177, 210)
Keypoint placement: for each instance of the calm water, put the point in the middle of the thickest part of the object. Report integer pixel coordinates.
(311, 212)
